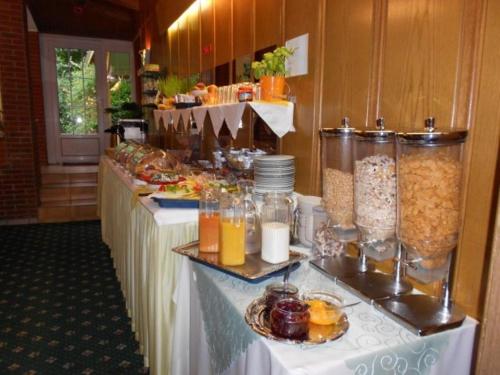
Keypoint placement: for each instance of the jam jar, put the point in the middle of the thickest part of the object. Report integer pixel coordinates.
(278, 291)
(290, 319)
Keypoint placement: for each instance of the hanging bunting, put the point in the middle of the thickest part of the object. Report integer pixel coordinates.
(217, 118)
(199, 114)
(232, 114)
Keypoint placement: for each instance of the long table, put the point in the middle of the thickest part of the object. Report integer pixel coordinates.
(189, 319)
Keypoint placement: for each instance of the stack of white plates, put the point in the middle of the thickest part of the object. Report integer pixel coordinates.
(274, 173)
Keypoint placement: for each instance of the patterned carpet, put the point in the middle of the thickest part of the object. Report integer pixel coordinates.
(61, 308)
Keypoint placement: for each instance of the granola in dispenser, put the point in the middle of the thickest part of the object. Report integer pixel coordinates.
(375, 192)
(338, 196)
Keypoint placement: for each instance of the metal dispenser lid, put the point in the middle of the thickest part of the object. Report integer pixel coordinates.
(431, 137)
(379, 135)
(344, 130)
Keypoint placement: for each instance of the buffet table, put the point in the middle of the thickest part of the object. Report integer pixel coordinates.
(189, 319)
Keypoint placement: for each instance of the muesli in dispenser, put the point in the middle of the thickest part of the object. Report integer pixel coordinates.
(375, 191)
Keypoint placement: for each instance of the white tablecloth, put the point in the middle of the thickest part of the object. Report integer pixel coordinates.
(140, 236)
(374, 344)
(189, 319)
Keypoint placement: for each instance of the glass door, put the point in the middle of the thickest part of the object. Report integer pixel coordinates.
(81, 78)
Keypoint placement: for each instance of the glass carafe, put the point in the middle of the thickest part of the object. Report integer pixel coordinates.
(375, 191)
(232, 229)
(276, 216)
(429, 205)
(252, 235)
(209, 221)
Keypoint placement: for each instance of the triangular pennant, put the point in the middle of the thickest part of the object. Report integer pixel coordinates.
(157, 118)
(199, 114)
(176, 115)
(217, 118)
(232, 114)
(186, 116)
(278, 116)
(166, 118)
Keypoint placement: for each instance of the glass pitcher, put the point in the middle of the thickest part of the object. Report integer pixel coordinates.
(232, 229)
(252, 235)
(209, 221)
(276, 216)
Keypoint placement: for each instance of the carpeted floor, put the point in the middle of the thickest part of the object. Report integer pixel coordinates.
(61, 308)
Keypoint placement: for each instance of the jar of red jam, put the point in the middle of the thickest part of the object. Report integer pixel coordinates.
(245, 93)
(278, 291)
(290, 319)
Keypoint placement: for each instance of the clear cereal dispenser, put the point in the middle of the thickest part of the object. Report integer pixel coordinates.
(429, 190)
(337, 200)
(375, 191)
(336, 162)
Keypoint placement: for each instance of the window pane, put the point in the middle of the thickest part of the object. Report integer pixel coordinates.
(118, 67)
(76, 87)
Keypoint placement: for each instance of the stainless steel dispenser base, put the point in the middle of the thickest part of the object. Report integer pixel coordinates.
(340, 266)
(421, 314)
(373, 285)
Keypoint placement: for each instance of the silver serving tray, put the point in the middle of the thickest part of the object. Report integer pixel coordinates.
(257, 318)
(253, 269)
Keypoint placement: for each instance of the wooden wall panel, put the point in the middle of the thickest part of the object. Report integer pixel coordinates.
(420, 62)
(173, 36)
(482, 182)
(183, 47)
(223, 29)
(207, 34)
(268, 23)
(243, 27)
(348, 55)
(304, 142)
(193, 20)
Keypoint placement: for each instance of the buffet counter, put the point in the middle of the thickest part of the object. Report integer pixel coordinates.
(189, 318)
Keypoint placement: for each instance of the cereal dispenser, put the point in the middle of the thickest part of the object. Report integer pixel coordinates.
(336, 162)
(337, 177)
(429, 191)
(375, 191)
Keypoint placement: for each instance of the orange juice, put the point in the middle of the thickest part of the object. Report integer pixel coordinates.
(209, 232)
(232, 242)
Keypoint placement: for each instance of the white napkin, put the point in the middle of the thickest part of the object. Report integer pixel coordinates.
(199, 114)
(278, 116)
(232, 114)
(217, 118)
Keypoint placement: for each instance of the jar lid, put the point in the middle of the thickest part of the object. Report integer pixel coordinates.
(344, 130)
(381, 134)
(431, 137)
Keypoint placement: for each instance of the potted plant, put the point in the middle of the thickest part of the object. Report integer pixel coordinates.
(271, 71)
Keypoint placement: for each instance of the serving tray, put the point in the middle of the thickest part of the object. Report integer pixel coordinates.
(254, 270)
(176, 203)
(257, 317)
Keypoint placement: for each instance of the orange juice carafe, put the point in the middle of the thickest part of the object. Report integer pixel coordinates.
(209, 221)
(232, 230)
